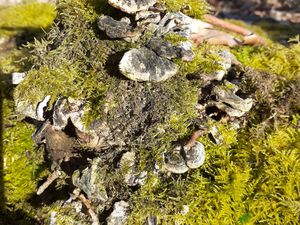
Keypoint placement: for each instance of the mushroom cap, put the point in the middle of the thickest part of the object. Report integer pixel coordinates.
(195, 156)
(144, 65)
(131, 6)
(175, 163)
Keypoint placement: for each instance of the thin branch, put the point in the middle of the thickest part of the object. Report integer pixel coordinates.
(88, 205)
(193, 139)
(51, 178)
(226, 25)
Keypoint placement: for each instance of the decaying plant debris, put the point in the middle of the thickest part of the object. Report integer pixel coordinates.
(139, 115)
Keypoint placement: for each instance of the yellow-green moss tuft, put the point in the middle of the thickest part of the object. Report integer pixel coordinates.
(22, 161)
(243, 180)
(272, 58)
(174, 38)
(205, 60)
(32, 16)
(197, 8)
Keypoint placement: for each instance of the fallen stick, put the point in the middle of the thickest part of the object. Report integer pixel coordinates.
(249, 37)
(88, 205)
(51, 178)
(226, 25)
(191, 142)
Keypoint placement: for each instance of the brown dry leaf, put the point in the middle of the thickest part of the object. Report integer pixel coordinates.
(215, 37)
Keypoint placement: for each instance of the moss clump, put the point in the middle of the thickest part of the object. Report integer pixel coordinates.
(242, 181)
(12, 62)
(278, 31)
(205, 60)
(22, 161)
(174, 38)
(31, 17)
(195, 8)
(171, 120)
(272, 58)
(72, 59)
(75, 59)
(65, 214)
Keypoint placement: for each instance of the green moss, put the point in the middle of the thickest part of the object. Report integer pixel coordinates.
(66, 214)
(174, 38)
(32, 16)
(278, 31)
(73, 62)
(272, 58)
(197, 7)
(176, 126)
(205, 60)
(258, 30)
(7, 62)
(243, 180)
(57, 82)
(248, 178)
(22, 162)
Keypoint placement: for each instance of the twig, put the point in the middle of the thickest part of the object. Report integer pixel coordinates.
(226, 25)
(249, 37)
(51, 178)
(88, 205)
(194, 138)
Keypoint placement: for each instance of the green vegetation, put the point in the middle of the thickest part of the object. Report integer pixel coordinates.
(73, 62)
(245, 180)
(272, 58)
(193, 8)
(251, 177)
(30, 17)
(205, 60)
(278, 31)
(22, 161)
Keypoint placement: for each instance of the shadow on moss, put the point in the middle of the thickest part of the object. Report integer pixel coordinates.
(1, 148)
(16, 218)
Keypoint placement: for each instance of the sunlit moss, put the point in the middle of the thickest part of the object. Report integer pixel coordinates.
(194, 8)
(246, 179)
(273, 58)
(22, 162)
(75, 65)
(174, 38)
(31, 17)
(205, 60)
(278, 31)
(242, 181)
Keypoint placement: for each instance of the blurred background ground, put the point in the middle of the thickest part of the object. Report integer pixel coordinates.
(253, 10)
(279, 18)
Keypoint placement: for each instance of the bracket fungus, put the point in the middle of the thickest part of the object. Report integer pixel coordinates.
(190, 156)
(132, 6)
(144, 65)
(228, 101)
